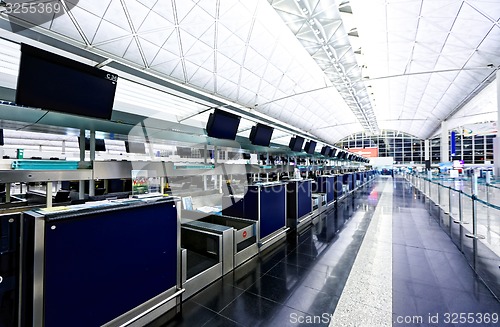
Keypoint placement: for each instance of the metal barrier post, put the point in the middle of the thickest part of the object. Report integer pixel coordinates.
(474, 234)
(460, 213)
(474, 184)
(461, 209)
(438, 195)
(449, 201)
(488, 192)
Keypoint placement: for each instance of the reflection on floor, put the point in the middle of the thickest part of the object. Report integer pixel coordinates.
(300, 281)
(431, 277)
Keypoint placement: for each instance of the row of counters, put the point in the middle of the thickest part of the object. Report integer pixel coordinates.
(125, 262)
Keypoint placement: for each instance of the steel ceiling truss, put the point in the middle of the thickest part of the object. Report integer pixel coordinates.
(319, 27)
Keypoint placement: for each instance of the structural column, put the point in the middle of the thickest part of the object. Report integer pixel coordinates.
(427, 150)
(92, 159)
(496, 144)
(81, 188)
(445, 157)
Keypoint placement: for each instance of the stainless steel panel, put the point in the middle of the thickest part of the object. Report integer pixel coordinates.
(181, 257)
(244, 233)
(227, 251)
(266, 242)
(123, 169)
(38, 272)
(245, 254)
(183, 265)
(13, 176)
(143, 312)
(196, 283)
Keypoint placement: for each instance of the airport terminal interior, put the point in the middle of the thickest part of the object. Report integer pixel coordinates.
(249, 163)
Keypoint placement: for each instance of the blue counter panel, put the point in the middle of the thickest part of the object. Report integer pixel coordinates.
(101, 265)
(325, 184)
(337, 187)
(251, 203)
(272, 209)
(304, 194)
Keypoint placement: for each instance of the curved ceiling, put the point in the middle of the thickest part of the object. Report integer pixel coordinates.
(425, 59)
(330, 68)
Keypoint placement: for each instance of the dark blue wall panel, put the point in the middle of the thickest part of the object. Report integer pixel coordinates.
(101, 265)
(326, 185)
(251, 203)
(304, 192)
(337, 187)
(272, 209)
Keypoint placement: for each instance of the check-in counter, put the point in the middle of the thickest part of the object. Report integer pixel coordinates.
(319, 201)
(325, 184)
(110, 263)
(265, 203)
(359, 179)
(233, 205)
(353, 182)
(207, 254)
(347, 180)
(337, 187)
(244, 233)
(299, 202)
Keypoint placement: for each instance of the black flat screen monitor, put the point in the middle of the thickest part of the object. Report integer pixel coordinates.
(310, 147)
(261, 135)
(99, 144)
(296, 143)
(223, 125)
(1, 137)
(135, 147)
(326, 150)
(55, 83)
(333, 152)
(183, 152)
(246, 156)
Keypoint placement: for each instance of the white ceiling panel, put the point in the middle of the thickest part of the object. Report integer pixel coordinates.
(294, 60)
(446, 41)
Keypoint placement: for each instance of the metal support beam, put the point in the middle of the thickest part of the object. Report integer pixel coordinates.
(496, 144)
(81, 184)
(92, 159)
(48, 192)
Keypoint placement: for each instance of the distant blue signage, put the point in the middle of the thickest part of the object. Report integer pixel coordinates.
(452, 144)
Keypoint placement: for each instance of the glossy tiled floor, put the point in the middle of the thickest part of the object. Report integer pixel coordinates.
(431, 277)
(300, 278)
(312, 272)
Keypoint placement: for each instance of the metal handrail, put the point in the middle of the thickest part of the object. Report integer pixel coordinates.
(474, 199)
